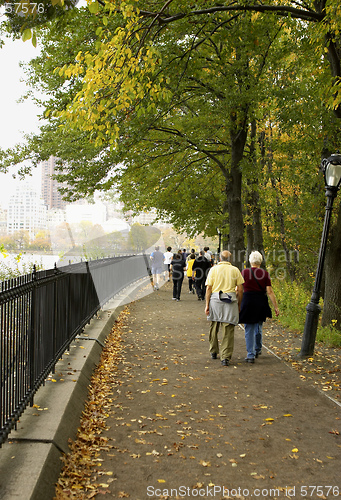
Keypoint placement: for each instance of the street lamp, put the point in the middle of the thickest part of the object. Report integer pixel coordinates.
(331, 168)
(219, 247)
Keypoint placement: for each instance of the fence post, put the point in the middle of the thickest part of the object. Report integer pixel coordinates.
(32, 335)
(54, 329)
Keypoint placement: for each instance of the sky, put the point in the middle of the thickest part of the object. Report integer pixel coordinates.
(16, 118)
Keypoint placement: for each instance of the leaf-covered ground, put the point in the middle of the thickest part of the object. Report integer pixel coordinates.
(323, 369)
(165, 421)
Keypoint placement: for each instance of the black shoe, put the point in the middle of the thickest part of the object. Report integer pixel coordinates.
(249, 360)
(258, 353)
(225, 362)
(213, 355)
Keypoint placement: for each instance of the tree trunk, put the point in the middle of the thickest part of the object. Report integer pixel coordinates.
(254, 230)
(257, 224)
(332, 294)
(234, 198)
(249, 231)
(280, 216)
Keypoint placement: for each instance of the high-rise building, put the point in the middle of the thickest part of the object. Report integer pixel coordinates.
(3, 221)
(49, 186)
(26, 211)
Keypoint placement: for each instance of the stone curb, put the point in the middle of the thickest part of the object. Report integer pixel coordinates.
(30, 461)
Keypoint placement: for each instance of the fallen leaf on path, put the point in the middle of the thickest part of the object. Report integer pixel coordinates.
(205, 463)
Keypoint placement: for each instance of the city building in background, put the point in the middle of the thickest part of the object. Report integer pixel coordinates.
(49, 186)
(55, 217)
(3, 221)
(37, 207)
(26, 211)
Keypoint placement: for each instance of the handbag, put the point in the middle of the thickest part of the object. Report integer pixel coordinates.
(225, 297)
(267, 309)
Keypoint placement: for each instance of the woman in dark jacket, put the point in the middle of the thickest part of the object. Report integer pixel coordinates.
(255, 306)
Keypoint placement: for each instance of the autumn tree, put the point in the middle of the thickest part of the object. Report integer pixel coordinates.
(195, 128)
(126, 92)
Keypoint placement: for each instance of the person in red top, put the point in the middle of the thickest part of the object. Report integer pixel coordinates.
(255, 308)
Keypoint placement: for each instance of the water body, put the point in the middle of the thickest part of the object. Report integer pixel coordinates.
(24, 261)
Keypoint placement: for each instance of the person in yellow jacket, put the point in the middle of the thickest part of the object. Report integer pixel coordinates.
(190, 262)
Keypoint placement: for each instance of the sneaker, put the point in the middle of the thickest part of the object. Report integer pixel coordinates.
(174, 298)
(213, 355)
(249, 360)
(258, 353)
(225, 362)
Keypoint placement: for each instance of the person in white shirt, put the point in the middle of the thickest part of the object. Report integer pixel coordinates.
(208, 254)
(168, 260)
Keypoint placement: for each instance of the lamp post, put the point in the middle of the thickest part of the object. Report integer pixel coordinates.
(219, 247)
(331, 168)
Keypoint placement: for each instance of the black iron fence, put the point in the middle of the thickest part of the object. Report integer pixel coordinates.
(41, 314)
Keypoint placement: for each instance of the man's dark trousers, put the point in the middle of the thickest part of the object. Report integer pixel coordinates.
(200, 287)
(177, 284)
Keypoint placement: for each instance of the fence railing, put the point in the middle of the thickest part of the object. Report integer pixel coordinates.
(41, 314)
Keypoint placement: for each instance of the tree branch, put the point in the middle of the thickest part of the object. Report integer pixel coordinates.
(282, 10)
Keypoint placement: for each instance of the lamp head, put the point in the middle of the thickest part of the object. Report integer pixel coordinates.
(332, 171)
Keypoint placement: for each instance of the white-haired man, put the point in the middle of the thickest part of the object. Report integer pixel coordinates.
(224, 292)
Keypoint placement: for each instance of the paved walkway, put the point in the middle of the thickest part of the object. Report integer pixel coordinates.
(183, 426)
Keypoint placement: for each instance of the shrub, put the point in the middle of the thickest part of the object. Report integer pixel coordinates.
(292, 301)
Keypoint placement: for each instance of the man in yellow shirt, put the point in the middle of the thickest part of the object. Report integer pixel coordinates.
(224, 293)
